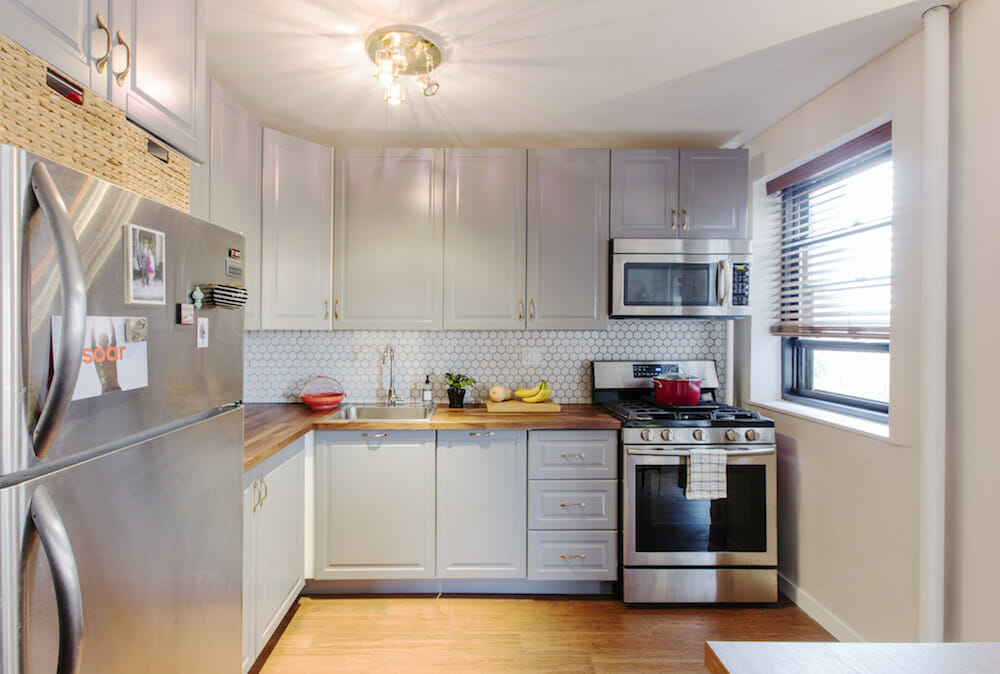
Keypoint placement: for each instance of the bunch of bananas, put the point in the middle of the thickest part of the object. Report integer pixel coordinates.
(540, 393)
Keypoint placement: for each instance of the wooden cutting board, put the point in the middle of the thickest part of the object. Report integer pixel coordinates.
(519, 406)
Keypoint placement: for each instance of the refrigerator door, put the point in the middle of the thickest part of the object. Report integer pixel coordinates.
(156, 538)
(182, 379)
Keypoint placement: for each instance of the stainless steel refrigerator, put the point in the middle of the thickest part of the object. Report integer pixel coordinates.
(121, 428)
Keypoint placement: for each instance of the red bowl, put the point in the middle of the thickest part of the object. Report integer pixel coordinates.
(322, 401)
(677, 391)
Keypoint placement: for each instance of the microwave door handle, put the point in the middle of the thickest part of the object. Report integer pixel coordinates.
(721, 281)
(73, 288)
(45, 521)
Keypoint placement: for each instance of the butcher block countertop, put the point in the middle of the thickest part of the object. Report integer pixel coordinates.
(270, 426)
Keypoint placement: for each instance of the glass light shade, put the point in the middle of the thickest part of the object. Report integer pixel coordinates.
(394, 94)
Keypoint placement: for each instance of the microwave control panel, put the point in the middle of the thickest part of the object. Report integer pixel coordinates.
(741, 284)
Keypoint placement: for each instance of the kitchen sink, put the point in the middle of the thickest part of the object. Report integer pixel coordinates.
(384, 413)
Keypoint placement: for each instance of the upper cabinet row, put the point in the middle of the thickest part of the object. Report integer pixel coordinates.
(145, 56)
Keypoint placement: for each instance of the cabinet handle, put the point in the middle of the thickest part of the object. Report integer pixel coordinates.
(374, 435)
(572, 505)
(326, 309)
(685, 212)
(581, 556)
(120, 77)
(531, 309)
(336, 309)
(266, 490)
(103, 61)
(488, 434)
(673, 218)
(520, 310)
(572, 456)
(256, 500)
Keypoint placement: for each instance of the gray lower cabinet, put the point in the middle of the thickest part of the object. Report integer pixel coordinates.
(374, 504)
(567, 246)
(481, 483)
(572, 505)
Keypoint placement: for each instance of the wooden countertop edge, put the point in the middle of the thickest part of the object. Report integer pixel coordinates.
(268, 427)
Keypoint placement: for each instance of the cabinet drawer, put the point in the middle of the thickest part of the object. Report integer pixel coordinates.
(572, 555)
(573, 504)
(573, 454)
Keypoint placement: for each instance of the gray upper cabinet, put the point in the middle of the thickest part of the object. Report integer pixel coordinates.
(484, 238)
(64, 34)
(296, 212)
(687, 194)
(388, 239)
(644, 193)
(567, 259)
(164, 89)
(235, 187)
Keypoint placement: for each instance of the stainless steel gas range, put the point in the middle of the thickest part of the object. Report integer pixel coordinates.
(692, 551)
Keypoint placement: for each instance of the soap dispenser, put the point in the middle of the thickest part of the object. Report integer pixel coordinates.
(428, 394)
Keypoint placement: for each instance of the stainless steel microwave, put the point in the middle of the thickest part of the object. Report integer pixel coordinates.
(668, 278)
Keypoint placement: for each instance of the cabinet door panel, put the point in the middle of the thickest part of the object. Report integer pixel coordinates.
(388, 239)
(713, 188)
(236, 187)
(63, 33)
(249, 652)
(484, 238)
(568, 226)
(165, 91)
(482, 481)
(644, 193)
(295, 234)
(375, 504)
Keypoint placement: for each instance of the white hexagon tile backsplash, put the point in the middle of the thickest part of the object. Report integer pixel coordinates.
(279, 363)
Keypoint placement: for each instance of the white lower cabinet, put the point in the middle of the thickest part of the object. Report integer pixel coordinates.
(573, 555)
(273, 545)
(481, 485)
(375, 509)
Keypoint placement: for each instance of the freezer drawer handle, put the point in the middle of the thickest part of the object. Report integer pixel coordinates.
(73, 288)
(65, 577)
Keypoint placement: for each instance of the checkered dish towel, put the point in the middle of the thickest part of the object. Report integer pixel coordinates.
(706, 474)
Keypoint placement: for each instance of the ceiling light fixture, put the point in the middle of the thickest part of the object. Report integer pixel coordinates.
(399, 52)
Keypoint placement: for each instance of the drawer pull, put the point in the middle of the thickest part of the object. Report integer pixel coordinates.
(581, 556)
(374, 435)
(488, 434)
(572, 456)
(572, 505)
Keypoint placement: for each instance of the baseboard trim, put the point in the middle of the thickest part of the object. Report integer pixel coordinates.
(815, 610)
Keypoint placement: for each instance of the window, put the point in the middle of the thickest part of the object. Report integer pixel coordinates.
(834, 283)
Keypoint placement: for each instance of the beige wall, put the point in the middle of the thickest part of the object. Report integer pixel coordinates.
(849, 501)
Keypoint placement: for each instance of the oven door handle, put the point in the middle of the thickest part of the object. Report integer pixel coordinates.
(646, 451)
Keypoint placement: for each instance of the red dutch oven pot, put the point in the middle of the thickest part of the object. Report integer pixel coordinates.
(677, 390)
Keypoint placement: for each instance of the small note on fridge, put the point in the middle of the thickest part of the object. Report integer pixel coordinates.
(112, 359)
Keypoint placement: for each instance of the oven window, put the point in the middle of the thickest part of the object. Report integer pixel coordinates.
(666, 521)
(669, 284)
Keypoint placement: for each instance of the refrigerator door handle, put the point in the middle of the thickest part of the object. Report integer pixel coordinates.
(62, 564)
(73, 287)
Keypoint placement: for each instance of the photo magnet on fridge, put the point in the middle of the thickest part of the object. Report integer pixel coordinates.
(145, 266)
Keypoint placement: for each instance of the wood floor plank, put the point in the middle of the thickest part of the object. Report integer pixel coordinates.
(515, 634)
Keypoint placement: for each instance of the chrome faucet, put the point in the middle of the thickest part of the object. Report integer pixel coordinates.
(389, 354)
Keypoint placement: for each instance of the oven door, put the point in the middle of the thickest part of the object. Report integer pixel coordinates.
(663, 528)
(669, 285)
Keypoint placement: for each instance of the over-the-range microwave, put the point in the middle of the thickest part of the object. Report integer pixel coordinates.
(673, 278)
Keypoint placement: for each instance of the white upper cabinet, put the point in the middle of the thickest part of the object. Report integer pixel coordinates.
(63, 33)
(567, 261)
(296, 213)
(388, 231)
(685, 194)
(164, 87)
(235, 187)
(484, 238)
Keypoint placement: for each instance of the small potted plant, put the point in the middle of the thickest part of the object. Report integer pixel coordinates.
(456, 388)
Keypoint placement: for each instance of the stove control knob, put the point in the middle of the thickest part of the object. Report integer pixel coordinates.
(646, 435)
(752, 435)
(666, 435)
(699, 435)
(731, 435)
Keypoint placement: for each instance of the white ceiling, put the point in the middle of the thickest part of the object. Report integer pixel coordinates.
(570, 73)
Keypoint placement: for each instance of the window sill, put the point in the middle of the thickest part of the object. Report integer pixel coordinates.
(872, 429)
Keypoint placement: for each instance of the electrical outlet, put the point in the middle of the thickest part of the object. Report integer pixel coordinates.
(531, 355)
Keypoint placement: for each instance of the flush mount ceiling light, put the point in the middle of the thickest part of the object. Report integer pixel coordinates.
(403, 51)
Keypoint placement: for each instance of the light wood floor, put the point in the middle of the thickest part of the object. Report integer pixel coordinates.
(475, 634)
